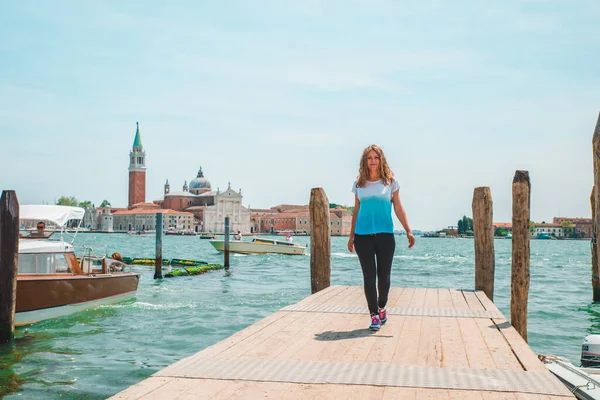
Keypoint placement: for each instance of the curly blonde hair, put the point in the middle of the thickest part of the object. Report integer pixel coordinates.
(385, 172)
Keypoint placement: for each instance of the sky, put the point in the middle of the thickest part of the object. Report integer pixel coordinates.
(278, 97)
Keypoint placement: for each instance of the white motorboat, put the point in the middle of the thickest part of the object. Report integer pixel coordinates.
(51, 282)
(583, 381)
(260, 246)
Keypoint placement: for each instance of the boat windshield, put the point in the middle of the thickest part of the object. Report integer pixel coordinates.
(35, 234)
(43, 263)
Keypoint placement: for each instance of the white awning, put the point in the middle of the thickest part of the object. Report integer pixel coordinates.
(56, 214)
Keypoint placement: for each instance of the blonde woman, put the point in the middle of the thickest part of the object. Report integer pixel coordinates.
(372, 235)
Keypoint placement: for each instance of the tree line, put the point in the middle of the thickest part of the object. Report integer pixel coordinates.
(72, 201)
(465, 226)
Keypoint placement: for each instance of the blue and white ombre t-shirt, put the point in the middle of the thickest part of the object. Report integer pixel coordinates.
(375, 211)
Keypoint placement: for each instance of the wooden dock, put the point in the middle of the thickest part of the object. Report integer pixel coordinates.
(437, 344)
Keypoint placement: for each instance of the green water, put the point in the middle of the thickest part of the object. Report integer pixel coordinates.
(95, 354)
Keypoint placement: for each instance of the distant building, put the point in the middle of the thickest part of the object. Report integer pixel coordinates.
(507, 226)
(296, 218)
(144, 219)
(227, 204)
(555, 230)
(106, 220)
(137, 170)
(583, 226)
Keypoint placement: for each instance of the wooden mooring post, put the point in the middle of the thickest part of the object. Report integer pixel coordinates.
(320, 241)
(159, 236)
(595, 271)
(9, 247)
(226, 249)
(521, 195)
(596, 211)
(484, 240)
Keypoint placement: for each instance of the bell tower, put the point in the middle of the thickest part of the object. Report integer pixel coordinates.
(137, 170)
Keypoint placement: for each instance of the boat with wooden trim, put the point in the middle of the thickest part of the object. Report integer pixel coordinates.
(260, 246)
(51, 282)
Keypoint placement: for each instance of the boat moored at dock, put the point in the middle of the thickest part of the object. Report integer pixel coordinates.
(582, 381)
(51, 282)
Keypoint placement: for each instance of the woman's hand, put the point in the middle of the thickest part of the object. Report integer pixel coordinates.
(411, 239)
(351, 244)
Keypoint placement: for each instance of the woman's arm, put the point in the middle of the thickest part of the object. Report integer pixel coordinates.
(401, 214)
(354, 214)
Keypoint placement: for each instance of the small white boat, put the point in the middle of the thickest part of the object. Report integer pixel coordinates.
(260, 246)
(508, 236)
(583, 381)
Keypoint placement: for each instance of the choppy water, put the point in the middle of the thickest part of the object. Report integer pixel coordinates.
(95, 354)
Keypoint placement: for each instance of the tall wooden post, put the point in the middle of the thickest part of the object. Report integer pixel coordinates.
(595, 270)
(226, 249)
(159, 236)
(9, 247)
(596, 203)
(320, 241)
(483, 230)
(521, 193)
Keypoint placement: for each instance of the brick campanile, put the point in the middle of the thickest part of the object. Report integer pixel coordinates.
(137, 170)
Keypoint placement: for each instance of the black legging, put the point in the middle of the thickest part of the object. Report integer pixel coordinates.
(370, 248)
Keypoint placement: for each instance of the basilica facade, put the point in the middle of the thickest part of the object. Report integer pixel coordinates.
(210, 207)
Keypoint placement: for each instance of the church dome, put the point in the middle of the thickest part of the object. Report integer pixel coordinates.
(199, 182)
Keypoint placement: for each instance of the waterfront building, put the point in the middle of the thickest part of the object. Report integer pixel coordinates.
(507, 226)
(583, 226)
(227, 204)
(144, 219)
(203, 202)
(137, 171)
(106, 220)
(555, 230)
(296, 218)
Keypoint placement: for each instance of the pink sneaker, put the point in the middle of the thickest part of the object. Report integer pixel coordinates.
(375, 323)
(382, 316)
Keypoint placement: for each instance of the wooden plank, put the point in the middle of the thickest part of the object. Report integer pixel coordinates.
(407, 346)
(404, 298)
(434, 394)
(363, 339)
(522, 351)
(472, 300)
(499, 349)
(142, 388)
(178, 386)
(474, 345)
(454, 353)
(499, 396)
(465, 395)
(274, 345)
(458, 299)
(393, 296)
(236, 349)
(319, 297)
(431, 299)
(418, 298)
(399, 393)
(208, 387)
(486, 302)
(338, 344)
(445, 300)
